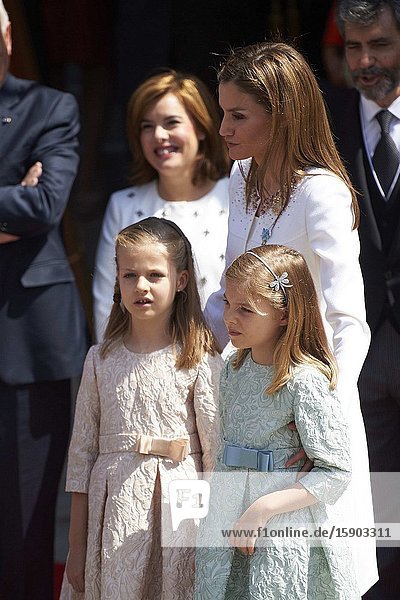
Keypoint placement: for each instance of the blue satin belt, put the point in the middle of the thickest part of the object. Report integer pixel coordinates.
(248, 458)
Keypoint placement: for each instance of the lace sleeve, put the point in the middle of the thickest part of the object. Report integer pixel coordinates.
(206, 407)
(83, 448)
(324, 435)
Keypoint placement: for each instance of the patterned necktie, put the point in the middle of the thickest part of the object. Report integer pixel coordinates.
(386, 155)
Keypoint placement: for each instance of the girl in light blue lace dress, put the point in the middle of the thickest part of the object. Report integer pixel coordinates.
(270, 534)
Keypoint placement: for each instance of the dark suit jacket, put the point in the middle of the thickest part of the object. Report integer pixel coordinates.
(380, 266)
(41, 320)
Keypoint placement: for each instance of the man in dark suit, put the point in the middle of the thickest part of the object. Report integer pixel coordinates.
(42, 334)
(366, 122)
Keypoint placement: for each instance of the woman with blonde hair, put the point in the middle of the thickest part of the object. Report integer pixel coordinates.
(180, 167)
(290, 187)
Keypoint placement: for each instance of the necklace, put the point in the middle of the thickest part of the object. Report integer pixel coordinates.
(273, 203)
(266, 232)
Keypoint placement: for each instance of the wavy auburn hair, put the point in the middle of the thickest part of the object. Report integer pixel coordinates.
(213, 160)
(303, 339)
(187, 325)
(280, 79)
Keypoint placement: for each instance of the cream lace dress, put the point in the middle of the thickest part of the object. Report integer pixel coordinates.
(121, 396)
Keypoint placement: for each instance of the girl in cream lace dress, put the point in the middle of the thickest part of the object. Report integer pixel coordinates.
(145, 416)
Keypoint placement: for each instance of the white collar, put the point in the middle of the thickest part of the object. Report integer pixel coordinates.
(370, 109)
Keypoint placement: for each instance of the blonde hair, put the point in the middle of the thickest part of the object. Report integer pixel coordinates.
(279, 78)
(213, 161)
(187, 325)
(303, 339)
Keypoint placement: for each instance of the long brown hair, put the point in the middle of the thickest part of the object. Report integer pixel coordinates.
(303, 339)
(279, 78)
(213, 161)
(187, 325)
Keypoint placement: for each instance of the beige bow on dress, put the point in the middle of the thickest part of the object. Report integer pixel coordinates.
(176, 449)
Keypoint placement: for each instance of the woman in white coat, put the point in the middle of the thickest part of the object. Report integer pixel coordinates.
(290, 187)
(179, 172)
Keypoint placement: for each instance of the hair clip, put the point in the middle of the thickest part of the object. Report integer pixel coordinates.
(280, 282)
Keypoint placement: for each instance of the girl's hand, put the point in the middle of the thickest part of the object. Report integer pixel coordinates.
(250, 527)
(75, 568)
(31, 178)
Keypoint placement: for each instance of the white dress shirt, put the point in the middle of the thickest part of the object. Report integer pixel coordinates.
(371, 131)
(370, 126)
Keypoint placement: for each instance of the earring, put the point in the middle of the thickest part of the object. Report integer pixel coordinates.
(184, 294)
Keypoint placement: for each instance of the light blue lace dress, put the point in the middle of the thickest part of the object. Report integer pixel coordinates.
(287, 569)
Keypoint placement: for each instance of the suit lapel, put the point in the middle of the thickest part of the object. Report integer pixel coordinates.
(357, 165)
(394, 251)
(11, 91)
(10, 95)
